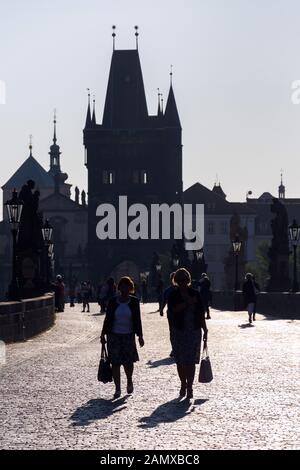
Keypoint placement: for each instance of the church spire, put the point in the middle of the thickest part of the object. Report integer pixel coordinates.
(54, 151)
(88, 121)
(54, 133)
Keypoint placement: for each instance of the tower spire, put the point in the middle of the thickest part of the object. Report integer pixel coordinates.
(281, 188)
(30, 145)
(158, 108)
(137, 37)
(94, 112)
(114, 36)
(171, 75)
(88, 121)
(54, 122)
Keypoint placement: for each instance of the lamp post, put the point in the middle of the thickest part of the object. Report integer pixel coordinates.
(47, 235)
(14, 209)
(236, 245)
(158, 267)
(294, 233)
(175, 261)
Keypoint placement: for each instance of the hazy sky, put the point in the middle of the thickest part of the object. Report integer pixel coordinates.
(234, 62)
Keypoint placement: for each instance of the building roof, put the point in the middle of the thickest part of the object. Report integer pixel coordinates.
(213, 202)
(125, 103)
(30, 169)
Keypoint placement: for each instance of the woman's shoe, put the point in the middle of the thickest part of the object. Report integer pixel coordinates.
(130, 389)
(117, 394)
(189, 394)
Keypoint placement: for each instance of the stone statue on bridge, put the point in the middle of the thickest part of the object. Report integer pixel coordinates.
(278, 253)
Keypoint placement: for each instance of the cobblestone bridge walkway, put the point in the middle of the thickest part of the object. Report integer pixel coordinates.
(50, 397)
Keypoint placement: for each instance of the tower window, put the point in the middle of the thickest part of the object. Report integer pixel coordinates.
(108, 177)
(143, 177)
(139, 177)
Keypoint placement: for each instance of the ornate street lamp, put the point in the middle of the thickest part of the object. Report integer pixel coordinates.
(199, 254)
(175, 261)
(294, 233)
(14, 210)
(47, 235)
(236, 245)
(47, 232)
(158, 267)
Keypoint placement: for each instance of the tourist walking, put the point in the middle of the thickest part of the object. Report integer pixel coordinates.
(188, 320)
(144, 290)
(85, 292)
(160, 292)
(122, 322)
(205, 292)
(59, 294)
(72, 292)
(166, 296)
(250, 290)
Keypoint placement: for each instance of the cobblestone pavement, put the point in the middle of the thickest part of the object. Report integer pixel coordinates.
(50, 397)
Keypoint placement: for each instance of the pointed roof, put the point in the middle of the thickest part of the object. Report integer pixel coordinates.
(30, 169)
(88, 121)
(217, 189)
(125, 103)
(171, 112)
(94, 115)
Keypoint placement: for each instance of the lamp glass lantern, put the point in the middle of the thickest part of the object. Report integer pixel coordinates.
(176, 261)
(14, 210)
(47, 232)
(236, 245)
(294, 232)
(158, 267)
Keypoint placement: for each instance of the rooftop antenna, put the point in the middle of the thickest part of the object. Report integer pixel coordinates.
(171, 74)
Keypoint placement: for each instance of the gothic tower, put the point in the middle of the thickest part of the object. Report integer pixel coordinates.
(134, 154)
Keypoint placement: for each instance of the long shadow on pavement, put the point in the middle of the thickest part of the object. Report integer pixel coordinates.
(97, 409)
(169, 412)
(246, 325)
(161, 362)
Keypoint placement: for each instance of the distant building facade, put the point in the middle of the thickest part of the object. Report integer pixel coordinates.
(68, 217)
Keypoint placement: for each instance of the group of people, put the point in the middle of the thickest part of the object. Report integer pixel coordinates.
(186, 317)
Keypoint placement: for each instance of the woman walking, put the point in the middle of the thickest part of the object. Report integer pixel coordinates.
(188, 320)
(205, 293)
(122, 322)
(250, 289)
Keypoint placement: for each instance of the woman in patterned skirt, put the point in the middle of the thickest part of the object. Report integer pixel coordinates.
(122, 322)
(187, 322)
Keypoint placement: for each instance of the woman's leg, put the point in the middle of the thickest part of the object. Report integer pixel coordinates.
(129, 371)
(181, 370)
(190, 375)
(116, 376)
(88, 306)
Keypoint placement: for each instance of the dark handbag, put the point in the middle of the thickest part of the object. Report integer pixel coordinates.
(104, 370)
(205, 373)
